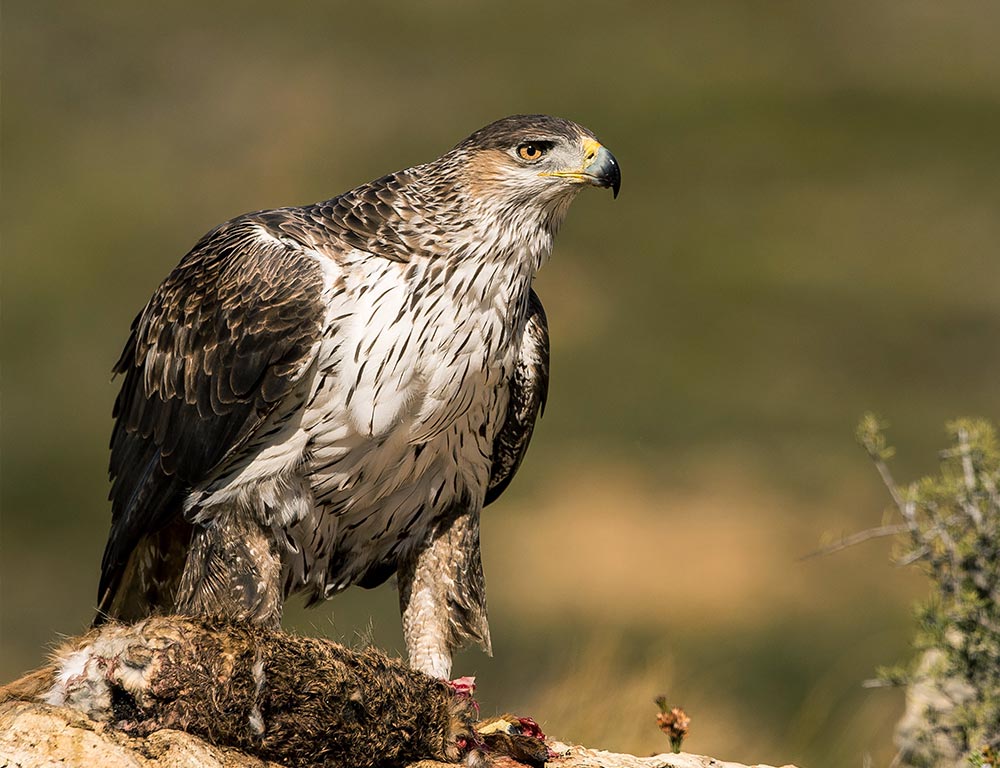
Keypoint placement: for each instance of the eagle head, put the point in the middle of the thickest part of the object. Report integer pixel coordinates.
(532, 161)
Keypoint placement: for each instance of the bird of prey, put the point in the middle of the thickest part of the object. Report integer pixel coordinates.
(327, 395)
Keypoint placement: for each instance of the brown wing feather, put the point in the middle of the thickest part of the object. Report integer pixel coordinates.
(529, 388)
(225, 337)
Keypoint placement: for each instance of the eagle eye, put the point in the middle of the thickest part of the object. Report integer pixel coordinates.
(532, 150)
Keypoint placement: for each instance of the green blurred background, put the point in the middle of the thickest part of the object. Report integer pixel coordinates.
(808, 228)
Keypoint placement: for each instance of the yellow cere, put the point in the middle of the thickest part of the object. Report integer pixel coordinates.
(590, 149)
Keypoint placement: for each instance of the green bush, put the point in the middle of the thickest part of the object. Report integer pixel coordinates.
(951, 528)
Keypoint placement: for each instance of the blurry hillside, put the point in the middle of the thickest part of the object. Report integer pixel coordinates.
(808, 228)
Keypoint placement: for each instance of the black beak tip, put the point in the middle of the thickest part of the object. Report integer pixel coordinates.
(615, 180)
(605, 172)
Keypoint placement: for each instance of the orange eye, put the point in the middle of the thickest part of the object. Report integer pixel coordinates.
(530, 152)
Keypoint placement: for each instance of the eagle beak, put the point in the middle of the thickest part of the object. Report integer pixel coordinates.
(600, 167)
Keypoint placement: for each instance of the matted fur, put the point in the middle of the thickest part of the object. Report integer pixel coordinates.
(297, 700)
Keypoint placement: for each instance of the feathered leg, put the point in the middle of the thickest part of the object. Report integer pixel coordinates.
(233, 571)
(442, 595)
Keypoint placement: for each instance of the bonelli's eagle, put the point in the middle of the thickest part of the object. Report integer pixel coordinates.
(327, 395)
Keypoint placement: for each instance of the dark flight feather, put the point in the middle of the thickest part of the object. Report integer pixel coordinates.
(529, 388)
(224, 339)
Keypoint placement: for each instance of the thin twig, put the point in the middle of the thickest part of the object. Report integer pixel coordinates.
(911, 558)
(890, 483)
(857, 538)
(909, 512)
(969, 471)
(939, 529)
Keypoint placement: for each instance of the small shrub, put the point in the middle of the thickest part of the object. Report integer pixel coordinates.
(951, 528)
